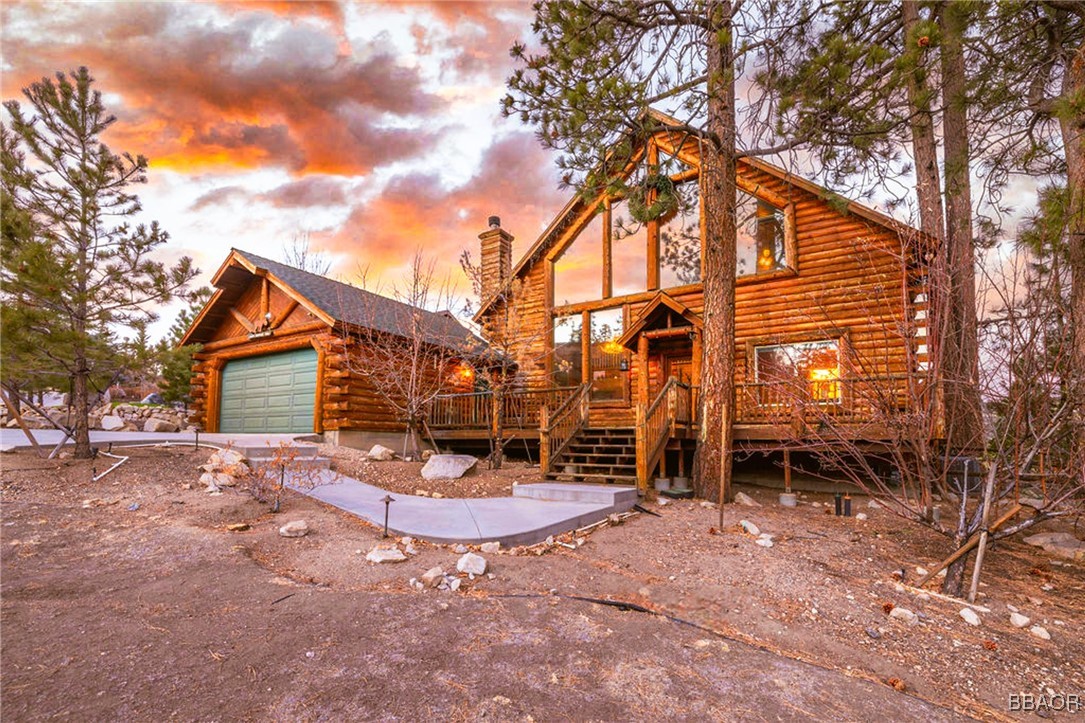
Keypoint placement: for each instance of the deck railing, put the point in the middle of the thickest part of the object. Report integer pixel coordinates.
(656, 424)
(557, 428)
(478, 410)
(847, 399)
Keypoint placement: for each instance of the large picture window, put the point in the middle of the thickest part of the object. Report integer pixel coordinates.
(810, 368)
(578, 272)
(609, 359)
(680, 241)
(762, 234)
(568, 351)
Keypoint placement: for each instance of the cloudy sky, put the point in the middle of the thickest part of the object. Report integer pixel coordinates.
(373, 127)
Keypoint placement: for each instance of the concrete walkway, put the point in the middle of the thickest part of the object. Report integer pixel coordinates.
(535, 512)
(521, 520)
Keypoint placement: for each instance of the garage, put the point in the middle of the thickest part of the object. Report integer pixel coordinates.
(271, 393)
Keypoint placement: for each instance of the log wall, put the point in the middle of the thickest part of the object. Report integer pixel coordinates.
(850, 282)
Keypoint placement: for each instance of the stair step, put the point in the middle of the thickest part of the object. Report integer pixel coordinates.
(593, 478)
(607, 495)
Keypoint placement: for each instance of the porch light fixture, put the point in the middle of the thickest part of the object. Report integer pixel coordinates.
(623, 365)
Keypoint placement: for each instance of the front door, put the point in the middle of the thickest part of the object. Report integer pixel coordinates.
(681, 368)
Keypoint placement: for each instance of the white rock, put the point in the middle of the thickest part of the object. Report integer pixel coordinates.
(921, 571)
(448, 466)
(1018, 620)
(741, 498)
(815, 504)
(750, 528)
(969, 616)
(708, 505)
(455, 585)
(225, 458)
(459, 549)
(861, 516)
(296, 528)
(380, 453)
(905, 615)
(874, 505)
(111, 423)
(1040, 632)
(1013, 608)
(663, 502)
(406, 540)
(217, 479)
(490, 548)
(433, 577)
(421, 493)
(764, 541)
(410, 549)
(472, 564)
(379, 554)
(1063, 544)
(159, 425)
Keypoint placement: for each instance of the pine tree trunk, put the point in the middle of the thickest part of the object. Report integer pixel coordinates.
(80, 391)
(959, 354)
(1073, 135)
(924, 146)
(713, 475)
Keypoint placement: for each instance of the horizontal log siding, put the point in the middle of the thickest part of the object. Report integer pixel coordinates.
(849, 284)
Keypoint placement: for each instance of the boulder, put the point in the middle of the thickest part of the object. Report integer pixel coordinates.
(490, 548)
(433, 577)
(448, 466)
(214, 480)
(904, 615)
(1062, 544)
(969, 616)
(472, 564)
(155, 424)
(750, 528)
(1018, 620)
(379, 555)
(225, 458)
(112, 423)
(741, 498)
(296, 528)
(381, 453)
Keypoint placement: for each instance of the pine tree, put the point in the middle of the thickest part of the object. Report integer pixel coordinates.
(86, 269)
(588, 89)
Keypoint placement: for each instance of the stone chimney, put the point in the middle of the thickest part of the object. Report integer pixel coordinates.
(496, 258)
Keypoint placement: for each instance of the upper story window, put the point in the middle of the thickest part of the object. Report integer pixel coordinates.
(614, 255)
(762, 236)
(680, 240)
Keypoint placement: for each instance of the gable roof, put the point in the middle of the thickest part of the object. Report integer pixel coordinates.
(657, 308)
(666, 126)
(333, 302)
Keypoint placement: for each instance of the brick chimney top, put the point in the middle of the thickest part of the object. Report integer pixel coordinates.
(495, 258)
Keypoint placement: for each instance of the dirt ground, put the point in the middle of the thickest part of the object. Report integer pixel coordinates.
(129, 598)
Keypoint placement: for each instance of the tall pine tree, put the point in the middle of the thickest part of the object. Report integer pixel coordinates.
(86, 268)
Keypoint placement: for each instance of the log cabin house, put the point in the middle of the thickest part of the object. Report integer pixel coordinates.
(604, 318)
(278, 353)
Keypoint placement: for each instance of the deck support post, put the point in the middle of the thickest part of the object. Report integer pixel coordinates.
(544, 439)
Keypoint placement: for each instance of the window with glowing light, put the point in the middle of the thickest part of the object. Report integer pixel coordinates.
(812, 368)
(609, 359)
(762, 247)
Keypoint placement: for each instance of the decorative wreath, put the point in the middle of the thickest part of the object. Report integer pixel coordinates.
(661, 188)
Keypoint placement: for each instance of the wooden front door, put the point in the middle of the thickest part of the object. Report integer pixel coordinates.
(681, 368)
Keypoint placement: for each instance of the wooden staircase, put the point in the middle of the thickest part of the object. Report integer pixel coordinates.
(605, 456)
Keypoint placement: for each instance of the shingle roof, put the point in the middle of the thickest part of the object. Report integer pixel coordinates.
(352, 306)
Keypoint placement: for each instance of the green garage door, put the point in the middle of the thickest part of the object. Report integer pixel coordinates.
(272, 393)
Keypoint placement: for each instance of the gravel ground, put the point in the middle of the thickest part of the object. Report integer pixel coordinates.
(131, 598)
